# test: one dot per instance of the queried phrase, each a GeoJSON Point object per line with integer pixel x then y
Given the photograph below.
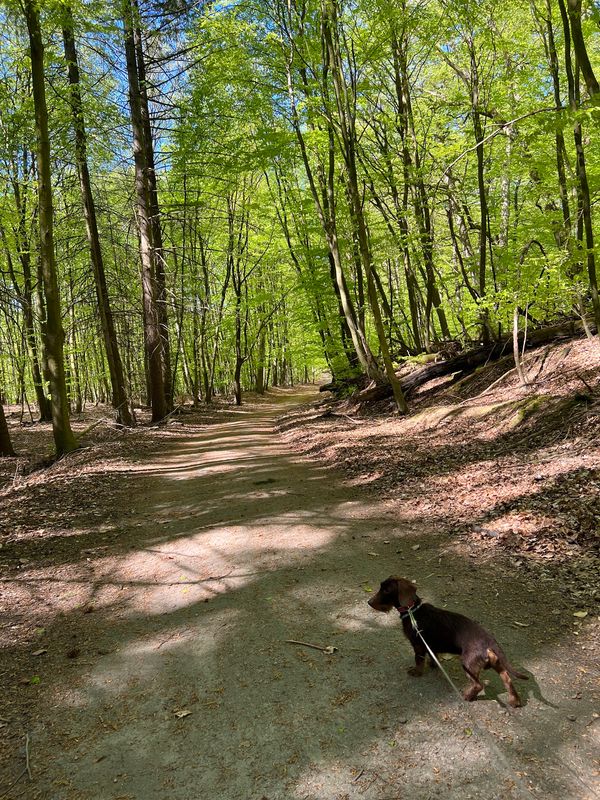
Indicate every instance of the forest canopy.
{"type": "Point", "coordinates": [200, 199]}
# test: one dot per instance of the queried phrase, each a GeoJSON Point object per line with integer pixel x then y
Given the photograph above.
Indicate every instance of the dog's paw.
{"type": "Point", "coordinates": [415, 672]}
{"type": "Point", "coordinates": [515, 702]}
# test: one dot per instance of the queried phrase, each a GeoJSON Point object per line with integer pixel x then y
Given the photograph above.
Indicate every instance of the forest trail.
{"type": "Point", "coordinates": [184, 686]}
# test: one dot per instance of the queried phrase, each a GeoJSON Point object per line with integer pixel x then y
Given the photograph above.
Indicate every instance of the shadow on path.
{"type": "Point", "coordinates": [186, 687]}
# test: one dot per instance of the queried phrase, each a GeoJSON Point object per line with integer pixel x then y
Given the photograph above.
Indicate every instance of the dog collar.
{"type": "Point", "coordinates": [404, 610]}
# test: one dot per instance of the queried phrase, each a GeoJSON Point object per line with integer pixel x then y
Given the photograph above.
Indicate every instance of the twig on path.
{"type": "Point", "coordinates": [164, 420]}
{"type": "Point", "coordinates": [168, 639]}
{"type": "Point", "coordinates": [329, 414]}
{"type": "Point", "coordinates": [490, 387]}
{"type": "Point", "coordinates": [586, 384]}
{"type": "Point", "coordinates": [27, 767]}
{"type": "Point", "coordinates": [91, 427]}
{"type": "Point", "coordinates": [329, 649]}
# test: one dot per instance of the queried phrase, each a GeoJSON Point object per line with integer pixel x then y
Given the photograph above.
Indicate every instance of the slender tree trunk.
{"type": "Point", "coordinates": [158, 249]}
{"type": "Point", "coordinates": [25, 297]}
{"type": "Point", "coordinates": [260, 366]}
{"type": "Point", "coordinates": [109, 336]}
{"type": "Point", "coordinates": [54, 336]}
{"type": "Point", "coordinates": [75, 386]}
{"type": "Point", "coordinates": [516, 348]}
{"type": "Point", "coordinates": [420, 198]}
{"type": "Point", "coordinates": [311, 288]}
{"type": "Point", "coordinates": [583, 60]}
{"type": "Point", "coordinates": [325, 207]}
{"type": "Point", "coordinates": [482, 192]}
{"type": "Point", "coordinates": [560, 147]}
{"type": "Point", "coordinates": [6, 448]}
{"type": "Point", "coordinates": [583, 191]}
{"type": "Point", "coordinates": [348, 138]}
{"type": "Point", "coordinates": [152, 335]}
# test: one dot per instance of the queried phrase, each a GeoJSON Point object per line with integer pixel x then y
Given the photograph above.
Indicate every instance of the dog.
{"type": "Point", "coordinates": [446, 632]}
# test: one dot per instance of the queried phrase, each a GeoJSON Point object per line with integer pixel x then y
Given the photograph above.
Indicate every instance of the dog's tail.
{"type": "Point", "coordinates": [497, 658]}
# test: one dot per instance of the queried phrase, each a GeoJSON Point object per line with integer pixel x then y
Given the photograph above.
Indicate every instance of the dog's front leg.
{"type": "Point", "coordinates": [419, 666]}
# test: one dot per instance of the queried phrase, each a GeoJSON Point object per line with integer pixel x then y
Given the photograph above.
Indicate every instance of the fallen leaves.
{"type": "Point", "coordinates": [531, 490]}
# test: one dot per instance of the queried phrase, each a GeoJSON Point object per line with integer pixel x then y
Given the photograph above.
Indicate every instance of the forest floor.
{"type": "Point", "coordinates": [149, 582]}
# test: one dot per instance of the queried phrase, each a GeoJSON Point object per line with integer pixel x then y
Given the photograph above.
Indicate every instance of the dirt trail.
{"type": "Point", "coordinates": [184, 686]}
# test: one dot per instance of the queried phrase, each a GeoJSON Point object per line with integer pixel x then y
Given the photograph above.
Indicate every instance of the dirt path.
{"type": "Point", "coordinates": [181, 684]}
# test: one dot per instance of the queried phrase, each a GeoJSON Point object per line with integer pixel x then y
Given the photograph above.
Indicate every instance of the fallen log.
{"type": "Point", "coordinates": [468, 361]}
{"type": "Point", "coordinates": [343, 384]}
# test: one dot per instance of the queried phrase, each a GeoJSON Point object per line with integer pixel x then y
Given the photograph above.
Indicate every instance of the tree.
{"type": "Point", "coordinates": [152, 333]}
{"type": "Point", "coordinates": [6, 448]}
{"type": "Point", "coordinates": [113, 356]}
{"type": "Point", "coordinates": [53, 332]}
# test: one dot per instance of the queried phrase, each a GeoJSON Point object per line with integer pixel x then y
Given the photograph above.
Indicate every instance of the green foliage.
{"type": "Point", "coordinates": [233, 90]}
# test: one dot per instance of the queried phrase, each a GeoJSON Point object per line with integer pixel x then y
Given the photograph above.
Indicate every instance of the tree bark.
{"type": "Point", "coordinates": [113, 356]}
{"type": "Point", "coordinates": [6, 448]}
{"type": "Point", "coordinates": [54, 335]}
{"type": "Point", "coordinates": [158, 250]}
{"type": "Point", "coordinates": [24, 294]}
{"type": "Point", "coordinates": [152, 335]}
{"type": "Point", "coordinates": [583, 60]}
{"type": "Point", "coordinates": [583, 190]}
{"type": "Point", "coordinates": [560, 147]}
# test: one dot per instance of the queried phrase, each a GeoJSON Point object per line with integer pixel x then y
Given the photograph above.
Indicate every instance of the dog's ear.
{"type": "Point", "coordinates": [406, 591]}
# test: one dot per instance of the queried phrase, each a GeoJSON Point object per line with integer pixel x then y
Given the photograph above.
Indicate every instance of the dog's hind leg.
{"type": "Point", "coordinates": [496, 663]}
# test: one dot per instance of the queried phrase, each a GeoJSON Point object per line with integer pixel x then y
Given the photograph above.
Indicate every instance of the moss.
{"type": "Point", "coordinates": [421, 358]}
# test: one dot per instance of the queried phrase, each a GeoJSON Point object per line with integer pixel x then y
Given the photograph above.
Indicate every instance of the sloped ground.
{"type": "Point", "coordinates": [495, 466]}
{"type": "Point", "coordinates": [148, 587]}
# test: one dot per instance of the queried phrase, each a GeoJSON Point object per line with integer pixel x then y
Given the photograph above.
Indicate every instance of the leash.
{"type": "Point", "coordinates": [484, 733]}
{"type": "Point", "coordinates": [413, 621]}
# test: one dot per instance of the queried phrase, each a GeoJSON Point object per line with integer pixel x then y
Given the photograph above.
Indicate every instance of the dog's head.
{"type": "Point", "coordinates": [394, 592]}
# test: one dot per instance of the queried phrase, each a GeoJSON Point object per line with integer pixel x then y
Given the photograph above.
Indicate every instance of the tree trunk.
{"type": "Point", "coordinates": [6, 448]}
{"type": "Point", "coordinates": [326, 211]}
{"type": "Point", "coordinates": [348, 140]}
{"type": "Point", "coordinates": [560, 149]}
{"type": "Point", "coordinates": [583, 190]}
{"type": "Point", "coordinates": [579, 46]}
{"type": "Point", "coordinates": [465, 363]}
{"type": "Point", "coordinates": [25, 296]}
{"type": "Point", "coordinates": [158, 249]}
{"type": "Point", "coordinates": [152, 335]}
{"type": "Point", "coordinates": [420, 198]}
{"type": "Point", "coordinates": [260, 366]}
{"type": "Point", "coordinates": [482, 192]}
{"type": "Point", "coordinates": [109, 336]}
{"type": "Point", "coordinates": [54, 335]}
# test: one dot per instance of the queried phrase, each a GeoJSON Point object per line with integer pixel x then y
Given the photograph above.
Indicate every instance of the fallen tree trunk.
{"type": "Point", "coordinates": [343, 384]}
{"type": "Point", "coordinates": [467, 362]}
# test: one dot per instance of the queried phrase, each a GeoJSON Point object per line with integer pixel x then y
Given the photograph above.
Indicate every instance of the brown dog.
{"type": "Point", "coordinates": [446, 632]}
